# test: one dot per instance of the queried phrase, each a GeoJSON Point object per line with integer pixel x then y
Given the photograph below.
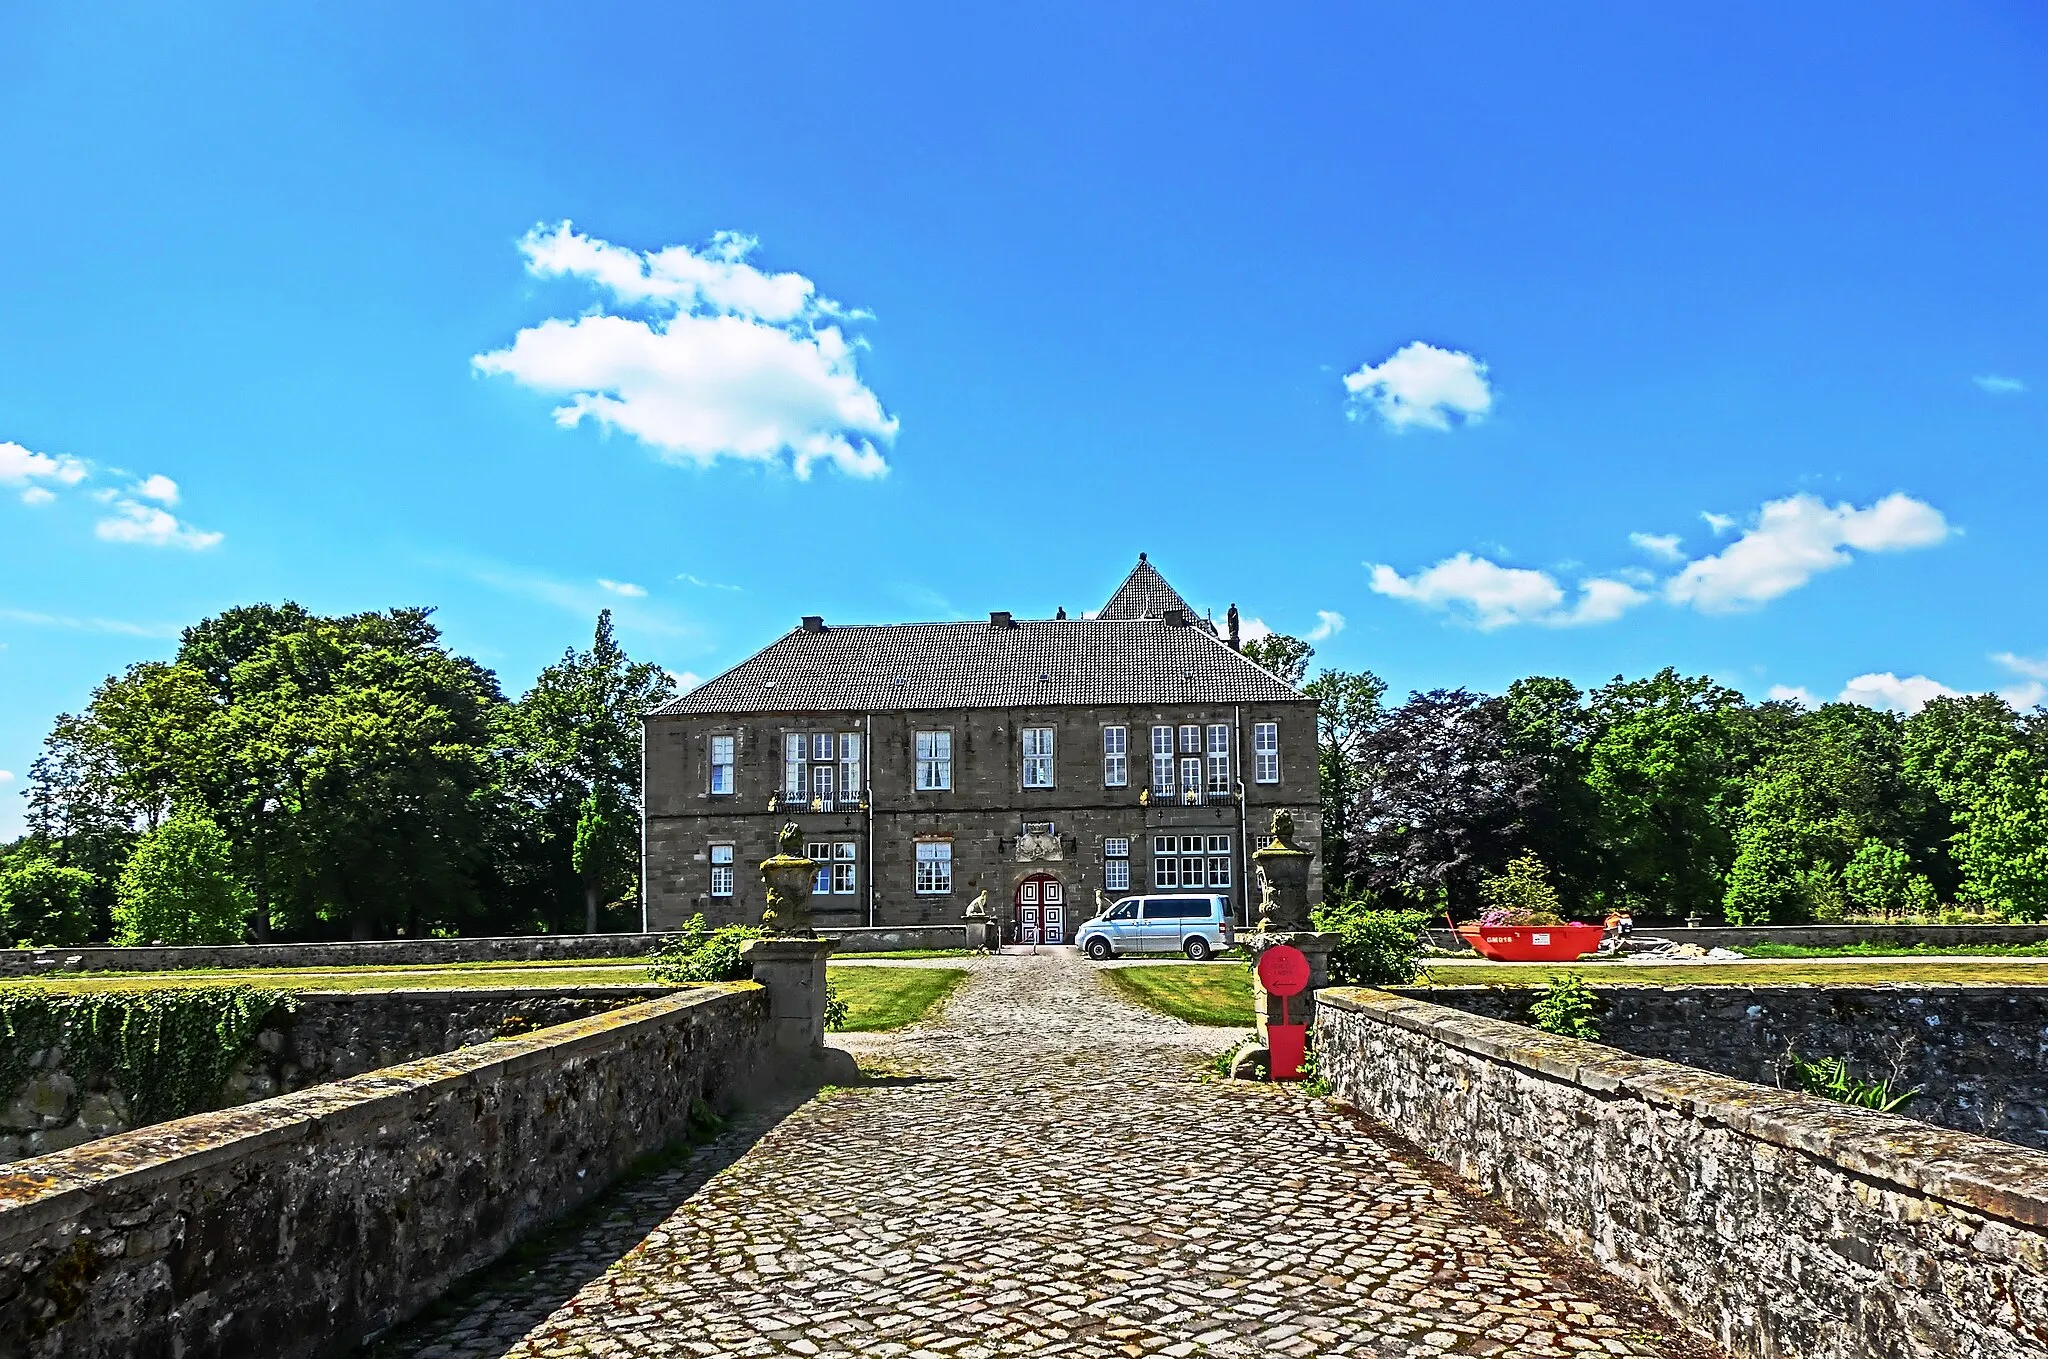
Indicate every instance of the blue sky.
{"type": "Point", "coordinates": [1404, 315]}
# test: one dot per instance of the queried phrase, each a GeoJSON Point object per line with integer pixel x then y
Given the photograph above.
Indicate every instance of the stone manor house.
{"type": "Point", "coordinates": [1037, 760]}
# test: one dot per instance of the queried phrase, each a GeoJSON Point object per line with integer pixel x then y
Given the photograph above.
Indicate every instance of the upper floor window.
{"type": "Point", "coordinates": [849, 766]}
{"type": "Point", "coordinates": [821, 746]}
{"type": "Point", "coordinates": [1162, 761]}
{"type": "Point", "coordinates": [1038, 757]}
{"type": "Point", "coordinates": [721, 765]}
{"type": "Point", "coordinates": [1266, 752]}
{"type": "Point", "coordinates": [1219, 759]}
{"type": "Point", "coordinates": [1116, 764]}
{"type": "Point", "coordinates": [721, 870]}
{"type": "Point", "coordinates": [1191, 778]}
{"type": "Point", "coordinates": [934, 866]}
{"type": "Point", "coordinates": [934, 760]}
{"type": "Point", "coordinates": [793, 780]}
{"type": "Point", "coordinates": [1190, 740]}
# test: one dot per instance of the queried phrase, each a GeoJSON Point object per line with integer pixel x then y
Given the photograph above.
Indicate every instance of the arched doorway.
{"type": "Point", "coordinates": [1040, 910]}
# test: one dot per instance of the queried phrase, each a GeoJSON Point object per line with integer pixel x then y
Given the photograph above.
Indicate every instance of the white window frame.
{"type": "Point", "coordinates": [1037, 746]}
{"type": "Point", "coordinates": [1117, 847]}
{"type": "Point", "coordinates": [845, 867]}
{"type": "Point", "coordinates": [1191, 778]}
{"type": "Point", "coordinates": [821, 747]}
{"type": "Point", "coordinates": [723, 746]}
{"type": "Point", "coordinates": [1219, 861]}
{"type": "Point", "coordinates": [1165, 863]}
{"type": "Point", "coordinates": [821, 785]}
{"type": "Point", "coordinates": [934, 868]}
{"type": "Point", "coordinates": [1162, 761]}
{"type": "Point", "coordinates": [819, 852]}
{"type": "Point", "coordinates": [1191, 739]}
{"type": "Point", "coordinates": [721, 871]}
{"type": "Point", "coordinates": [1219, 759]}
{"type": "Point", "coordinates": [794, 747]}
{"type": "Point", "coordinates": [1116, 875]}
{"type": "Point", "coordinates": [1265, 752]}
{"type": "Point", "coordinates": [1116, 760]}
{"type": "Point", "coordinates": [934, 750]}
{"type": "Point", "coordinates": [849, 766]}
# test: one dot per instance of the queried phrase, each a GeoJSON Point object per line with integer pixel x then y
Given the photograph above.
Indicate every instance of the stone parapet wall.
{"type": "Point", "coordinates": [1826, 936]}
{"type": "Point", "coordinates": [1978, 1054]}
{"type": "Point", "coordinates": [1777, 1223]}
{"type": "Point", "coordinates": [299, 1225]}
{"type": "Point", "coordinates": [331, 1035]}
{"type": "Point", "coordinates": [23, 962]}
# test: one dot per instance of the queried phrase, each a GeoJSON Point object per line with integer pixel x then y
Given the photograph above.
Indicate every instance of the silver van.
{"type": "Point", "coordinates": [1195, 925]}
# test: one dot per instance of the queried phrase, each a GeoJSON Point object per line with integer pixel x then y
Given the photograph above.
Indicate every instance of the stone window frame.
{"type": "Point", "coordinates": [934, 868]}
{"type": "Point", "coordinates": [1037, 770]}
{"type": "Point", "coordinates": [722, 871]}
{"type": "Point", "coordinates": [924, 748]}
{"type": "Point", "coordinates": [729, 766]}
{"type": "Point", "coordinates": [1265, 752]}
{"type": "Point", "coordinates": [1116, 756]}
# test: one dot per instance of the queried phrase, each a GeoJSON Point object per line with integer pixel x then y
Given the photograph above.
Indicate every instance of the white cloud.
{"type": "Point", "coordinates": [21, 467]}
{"type": "Point", "coordinates": [38, 495]}
{"type": "Point", "coordinates": [135, 522]}
{"type": "Point", "coordinates": [1328, 624]}
{"type": "Point", "coordinates": [722, 360]}
{"type": "Point", "coordinates": [1248, 629]}
{"type": "Point", "coordinates": [1421, 385]}
{"type": "Point", "coordinates": [107, 625]}
{"type": "Point", "coordinates": [686, 681]}
{"type": "Point", "coordinates": [1719, 523]}
{"type": "Point", "coordinates": [1887, 692]}
{"type": "Point", "coordinates": [1795, 539]}
{"type": "Point", "coordinates": [623, 587]}
{"type": "Point", "coordinates": [1495, 596]}
{"type": "Point", "coordinates": [159, 488]}
{"type": "Point", "coordinates": [2023, 665]}
{"type": "Point", "coordinates": [6, 776]}
{"type": "Point", "coordinates": [1787, 693]}
{"type": "Point", "coordinates": [1664, 545]}
{"type": "Point", "coordinates": [702, 584]}
{"type": "Point", "coordinates": [1999, 386]}
{"type": "Point", "coordinates": [2033, 687]}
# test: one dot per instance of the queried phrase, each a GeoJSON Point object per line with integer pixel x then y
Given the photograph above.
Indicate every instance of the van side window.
{"type": "Point", "coordinates": [1127, 911]}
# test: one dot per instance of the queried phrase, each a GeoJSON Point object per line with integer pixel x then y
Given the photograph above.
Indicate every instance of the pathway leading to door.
{"type": "Point", "coordinates": [1051, 1176]}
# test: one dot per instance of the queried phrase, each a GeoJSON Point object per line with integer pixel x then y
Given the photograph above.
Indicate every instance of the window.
{"type": "Point", "coordinates": [1038, 757]}
{"type": "Point", "coordinates": [1190, 740]}
{"type": "Point", "coordinates": [1116, 865]}
{"type": "Point", "coordinates": [1116, 764]}
{"type": "Point", "coordinates": [821, 746]}
{"type": "Point", "coordinates": [1165, 867]}
{"type": "Point", "coordinates": [820, 853]}
{"type": "Point", "coordinates": [1191, 861]}
{"type": "Point", "coordinates": [721, 870]}
{"type": "Point", "coordinates": [934, 867]}
{"type": "Point", "coordinates": [1266, 752]}
{"type": "Point", "coordinates": [934, 760]}
{"type": "Point", "coordinates": [1219, 761]}
{"type": "Point", "coordinates": [1162, 761]}
{"type": "Point", "coordinates": [793, 767]}
{"type": "Point", "coordinates": [844, 860]}
{"type": "Point", "coordinates": [1191, 778]}
{"type": "Point", "coordinates": [1219, 861]}
{"type": "Point", "coordinates": [821, 783]}
{"type": "Point", "coordinates": [721, 765]}
{"type": "Point", "coordinates": [849, 767]}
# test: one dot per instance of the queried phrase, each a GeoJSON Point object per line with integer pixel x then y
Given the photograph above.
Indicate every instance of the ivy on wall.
{"type": "Point", "coordinates": [168, 1050]}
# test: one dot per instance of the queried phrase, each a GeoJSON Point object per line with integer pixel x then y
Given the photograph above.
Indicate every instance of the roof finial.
{"type": "Point", "coordinates": [1141, 559]}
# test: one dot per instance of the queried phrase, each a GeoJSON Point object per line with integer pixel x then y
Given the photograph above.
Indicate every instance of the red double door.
{"type": "Point", "coordinates": [1041, 910]}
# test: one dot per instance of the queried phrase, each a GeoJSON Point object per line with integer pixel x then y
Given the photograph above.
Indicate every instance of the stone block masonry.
{"type": "Point", "coordinates": [1777, 1223]}
{"type": "Point", "coordinates": [1978, 1054]}
{"type": "Point", "coordinates": [299, 1225]}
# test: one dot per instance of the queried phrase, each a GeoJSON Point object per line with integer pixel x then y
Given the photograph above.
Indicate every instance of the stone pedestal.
{"type": "Point", "coordinates": [793, 972]}
{"type": "Point", "coordinates": [1316, 947]}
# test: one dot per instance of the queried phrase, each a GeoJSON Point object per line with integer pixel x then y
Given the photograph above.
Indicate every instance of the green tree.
{"type": "Point", "coordinates": [2003, 847]}
{"type": "Point", "coordinates": [1349, 707]}
{"type": "Point", "coordinates": [43, 902]}
{"type": "Point", "coordinates": [1879, 880]}
{"type": "Point", "coordinates": [180, 887]}
{"type": "Point", "coordinates": [1285, 656]}
{"type": "Point", "coordinates": [1521, 893]}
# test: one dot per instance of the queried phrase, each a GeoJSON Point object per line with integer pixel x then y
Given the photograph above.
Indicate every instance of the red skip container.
{"type": "Point", "coordinates": [1532, 943]}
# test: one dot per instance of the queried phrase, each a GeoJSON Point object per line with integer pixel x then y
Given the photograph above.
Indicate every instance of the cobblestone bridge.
{"type": "Point", "coordinates": [1041, 1169]}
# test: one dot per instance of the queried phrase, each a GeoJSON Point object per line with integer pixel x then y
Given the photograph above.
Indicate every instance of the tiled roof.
{"type": "Point", "coordinates": [1144, 594]}
{"type": "Point", "coordinates": [921, 666]}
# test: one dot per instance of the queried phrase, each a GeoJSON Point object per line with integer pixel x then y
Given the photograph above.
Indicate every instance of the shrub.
{"type": "Point", "coordinates": [837, 1011]}
{"type": "Point", "coordinates": [1521, 896]}
{"type": "Point", "coordinates": [1829, 1078]}
{"type": "Point", "coordinates": [697, 953]}
{"type": "Point", "coordinates": [1879, 879]}
{"type": "Point", "coordinates": [1567, 1008]}
{"type": "Point", "coordinates": [1374, 947]}
{"type": "Point", "coordinates": [179, 887]}
{"type": "Point", "coordinates": [43, 902]}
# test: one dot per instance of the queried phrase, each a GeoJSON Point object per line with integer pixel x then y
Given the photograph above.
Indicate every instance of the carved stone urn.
{"type": "Point", "coordinates": [1283, 879]}
{"type": "Point", "coordinates": [790, 878]}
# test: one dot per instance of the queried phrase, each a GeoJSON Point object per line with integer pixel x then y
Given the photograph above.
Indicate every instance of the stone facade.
{"type": "Point", "coordinates": [299, 1225]}
{"type": "Point", "coordinates": [1979, 1054]}
{"type": "Point", "coordinates": [1777, 1223]}
{"type": "Point", "coordinates": [331, 1035]}
{"type": "Point", "coordinates": [984, 814]}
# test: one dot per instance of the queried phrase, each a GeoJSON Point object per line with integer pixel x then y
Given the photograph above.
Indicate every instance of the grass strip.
{"type": "Point", "coordinates": [879, 999]}
{"type": "Point", "coordinates": [1215, 994]}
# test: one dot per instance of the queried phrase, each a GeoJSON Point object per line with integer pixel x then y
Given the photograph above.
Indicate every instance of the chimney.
{"type": "Point", "coordinates": [814, 622]}
{"type": "Point", "coordinates": [1000, 618]}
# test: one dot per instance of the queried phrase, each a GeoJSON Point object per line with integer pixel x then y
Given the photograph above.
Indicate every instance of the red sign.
{"type": "Point", "coordinates": [1283, 970]}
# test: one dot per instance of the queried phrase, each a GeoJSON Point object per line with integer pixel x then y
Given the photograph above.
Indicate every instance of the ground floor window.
{"type": "Point", "coordinates": [934, 867]}
{"type": "Point", "coordinates": [1116, 865]}
{"type": "Point", "coordinates": [836, 860]}
{"type": "Point", "coordinates": [1187, 861]}
{"type": "Point", "coordinates": [721, 870]}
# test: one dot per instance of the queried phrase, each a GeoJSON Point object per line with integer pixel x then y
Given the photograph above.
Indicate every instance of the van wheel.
{"type": "Point", "coordinates": [1198, 949]}
{"type": "Point", "coordinates": [1098, 949]}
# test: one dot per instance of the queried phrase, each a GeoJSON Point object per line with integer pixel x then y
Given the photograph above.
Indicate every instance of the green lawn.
{"type": "Point", "coordinates": [1218, 994]}
{"type": "Point", "coordinates": [1867, 949]}
{"type": "Point", "coordinates": [883, 998]}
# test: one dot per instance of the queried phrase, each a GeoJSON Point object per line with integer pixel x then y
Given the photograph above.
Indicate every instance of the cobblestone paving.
{"type": "Point", "coordinates": [1050, 1176]}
